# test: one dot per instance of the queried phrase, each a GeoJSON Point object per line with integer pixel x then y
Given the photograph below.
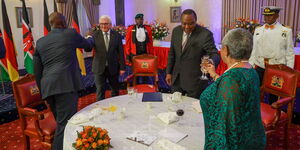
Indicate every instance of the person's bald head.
{"type": "Point", "coordinates": [57, 20]}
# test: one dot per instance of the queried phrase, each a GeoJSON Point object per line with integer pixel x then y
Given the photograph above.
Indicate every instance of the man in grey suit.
{"type": "Point", "coordinates": [189, 43]}
{"type": "Point", "coordinates": [57, 72]}
{"type": "Point", "coordinates": [108, 62]}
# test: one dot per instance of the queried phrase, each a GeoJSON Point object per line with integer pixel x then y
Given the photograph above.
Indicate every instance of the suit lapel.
{"type": "Point", "coordinates": [111, 37]}
{"type": "Point", "coordinates": [190, 40]}
{"type": "Point", "coordinates": [100, 37]}
{"type": "Point", "coordinates": [180, 41]}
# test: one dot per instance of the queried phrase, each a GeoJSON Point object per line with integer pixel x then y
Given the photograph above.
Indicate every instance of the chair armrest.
{"type": "Point", "coordinates": [32, 112]}
{"type": "Point", "coordinates": [282, 102]}
{"type": "Point", "coordinates": [128, 78]}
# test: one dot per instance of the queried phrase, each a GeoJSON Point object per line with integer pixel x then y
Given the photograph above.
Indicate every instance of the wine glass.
{"type": "Point", "coordinates": [130, 92]}
{"type": "Point", "coordinates": [205, 61]}
{"type": "Point", "coordinates": [112, 108]}
{"type": "Point", "coordinates": [180, 112]}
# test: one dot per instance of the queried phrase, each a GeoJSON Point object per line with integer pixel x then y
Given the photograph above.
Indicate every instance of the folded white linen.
{"type": "Point", "coordinates": [168, 117]}
{"type": "Point", "coordinates": [79, 118]}
{"type": "Point", "coordinates": [165, 144]}
{"type": "Point", "coordinates": [196, 106]}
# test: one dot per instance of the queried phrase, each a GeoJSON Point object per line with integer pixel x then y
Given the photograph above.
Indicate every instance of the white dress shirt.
{"type": "Point", "coordinates": [140, 34]}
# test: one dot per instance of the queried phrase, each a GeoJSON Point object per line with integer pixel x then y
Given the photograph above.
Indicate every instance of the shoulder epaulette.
{"type": "Point", "coordinates": [287, 26]}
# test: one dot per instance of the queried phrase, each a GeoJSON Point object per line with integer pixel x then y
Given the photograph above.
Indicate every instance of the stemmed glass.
{"type": "Point", "coordinates": [132, 92]}
{"type": "Point", "coordinates": [205, 61]}
{"type": "Point", "coordinates": [180, 112]}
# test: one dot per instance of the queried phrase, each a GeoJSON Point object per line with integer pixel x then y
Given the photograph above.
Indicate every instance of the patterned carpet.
{"type": "Point", "coordinates": [11, 137]}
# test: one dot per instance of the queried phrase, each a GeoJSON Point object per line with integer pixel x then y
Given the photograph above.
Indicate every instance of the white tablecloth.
{"type": "Point", "coordinates": [137, 118]}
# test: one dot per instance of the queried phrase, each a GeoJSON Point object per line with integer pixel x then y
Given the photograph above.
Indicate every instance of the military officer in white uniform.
{"type": "Point", "coordinates": [272, 41]}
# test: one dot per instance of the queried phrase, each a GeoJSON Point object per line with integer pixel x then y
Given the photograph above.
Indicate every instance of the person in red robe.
{"type": "Point", "coordinates": [138, 39]}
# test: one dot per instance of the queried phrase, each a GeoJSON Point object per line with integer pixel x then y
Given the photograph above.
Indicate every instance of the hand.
{"type": "Point", "coordinates": [210, 69]}
{"type": "Point", "coordinates": [169, 79]}
{"type": "Point", "coordinates": [89, 33]}
{"type": "Point", "coordinates": [122, 72]}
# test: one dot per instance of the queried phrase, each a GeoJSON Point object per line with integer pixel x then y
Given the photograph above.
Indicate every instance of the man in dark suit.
{"type": "Point", "coordinates": [189, 43]}
{"type": "Point", "coordinates": [57, 72]}
{"type": "Point", "coordinates": [108, 62]}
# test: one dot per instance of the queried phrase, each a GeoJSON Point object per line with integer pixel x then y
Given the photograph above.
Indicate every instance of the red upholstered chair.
{"type": "Point", "coordinates": [144, 65]}
{"type": "Point", "coordinates": [34, 123]}
{"type": "Point", "coordinates": [282, 81]}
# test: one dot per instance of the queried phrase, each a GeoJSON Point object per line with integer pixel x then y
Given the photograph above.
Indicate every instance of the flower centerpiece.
{"type": "Point", "coordinates": [159, 30]}
{"type": "Point", "coordinates": [121, 30]}
{"type": "Point", "coordinates": [247, 24]}
{"type": "Point", "coordinates": [92, 138]}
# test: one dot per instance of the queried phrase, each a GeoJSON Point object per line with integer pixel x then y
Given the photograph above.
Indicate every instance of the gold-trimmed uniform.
{"type": "Point", "coordinates": [275, 43]}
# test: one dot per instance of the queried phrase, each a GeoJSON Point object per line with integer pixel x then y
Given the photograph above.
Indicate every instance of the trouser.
{"type": "Point", "coordinates": [260, 71]}
{"type": "Point", "coordinates": [100, 80]}
{"type": "Point", "coordinates": [195, 93]}
{"type": "Point", "coordinates": [63, 107]}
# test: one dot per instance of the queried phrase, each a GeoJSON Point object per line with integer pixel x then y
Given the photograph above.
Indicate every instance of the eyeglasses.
{"type": "Point", "coordinates": [104, 24]}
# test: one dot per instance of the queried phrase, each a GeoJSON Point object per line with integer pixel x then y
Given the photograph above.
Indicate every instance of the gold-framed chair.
{"type": "Point", "coordinates": [34, 123]}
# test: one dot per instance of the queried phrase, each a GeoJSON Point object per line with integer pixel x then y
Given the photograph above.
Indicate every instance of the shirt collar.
{"type": "Point", "coordinates": [108, 32]}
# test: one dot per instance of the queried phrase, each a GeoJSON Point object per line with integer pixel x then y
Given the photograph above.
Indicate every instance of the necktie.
{"type": "Point", "coordinates": [106, 40]}
{"type": "Point", "coordinates": [184, 41]}
{"type": "Point", "coordinates": [269, 26]}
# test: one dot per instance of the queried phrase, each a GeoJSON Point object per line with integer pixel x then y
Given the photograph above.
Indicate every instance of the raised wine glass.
{"type": "Point", "coordinates": [205, 61]}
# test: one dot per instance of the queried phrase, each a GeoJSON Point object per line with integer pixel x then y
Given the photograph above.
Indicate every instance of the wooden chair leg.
{"type": "Point", "coordinates": [286, 136]}
{"type": "Point", "coordinates": [26, 142]}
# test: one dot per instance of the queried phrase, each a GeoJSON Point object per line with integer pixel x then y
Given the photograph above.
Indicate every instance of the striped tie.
{"type": "Point", "coordinates": [106, 40]}
{"type": "Point", "coordinates": [185, 41]}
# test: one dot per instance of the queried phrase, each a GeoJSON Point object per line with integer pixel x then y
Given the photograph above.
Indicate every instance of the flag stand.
{"type": "Point", "coordinates": [3, 95]}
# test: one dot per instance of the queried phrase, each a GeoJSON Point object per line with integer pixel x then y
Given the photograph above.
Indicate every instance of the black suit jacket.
{"type": "Point", "coordinates": [114, 56]}
{"type": "Point", "coordinates": [186, 63]}
{"type": "Point", "coordinates": [55, 62]}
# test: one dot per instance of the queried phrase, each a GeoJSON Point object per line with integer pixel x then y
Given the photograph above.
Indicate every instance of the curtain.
{"type": "Point", "coordinates": [92, 11]}
{"type": "Point", "coordinates": [252, 9]}
{"type": "Point", "coordinates": [66, 9]}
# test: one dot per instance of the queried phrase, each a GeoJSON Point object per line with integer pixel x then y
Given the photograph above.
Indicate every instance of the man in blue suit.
{"type": "Point", "coordinates": [57, 72]}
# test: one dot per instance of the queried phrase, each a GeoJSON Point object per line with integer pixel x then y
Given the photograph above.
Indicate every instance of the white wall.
{"type": "Point", "coordinates": [107, 7]}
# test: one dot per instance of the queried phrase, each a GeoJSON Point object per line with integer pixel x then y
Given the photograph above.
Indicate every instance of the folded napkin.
{"type": "Point", "coordinates": [196, 106]}
{"type": "Point", "coordinates": [165, 144]}
{"type": "Point", "coordinates": [79, 118]}
{"type": "Point", "coordinates": [168, 117]}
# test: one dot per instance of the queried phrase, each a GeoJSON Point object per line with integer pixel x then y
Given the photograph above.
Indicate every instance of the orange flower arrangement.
{"type": "Point", "coordinates": [92, 138]}
{"type": "Point", "coordinates": [247, 24]}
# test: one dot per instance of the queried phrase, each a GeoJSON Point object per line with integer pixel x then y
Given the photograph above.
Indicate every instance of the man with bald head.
{"type": "Point", "coordinates": [57, 72]}
{"type": "Point", "coordinates": [108, 62]}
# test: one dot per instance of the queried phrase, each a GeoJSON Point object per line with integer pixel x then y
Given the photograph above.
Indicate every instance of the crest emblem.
{"type": "Point", "coordinates": [34, 90]}
{"type": "Point", "coordinates": [277, 82]}
{"type": "Point", "coordinates": [145, 65]}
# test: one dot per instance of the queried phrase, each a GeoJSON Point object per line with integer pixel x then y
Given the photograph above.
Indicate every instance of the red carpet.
{"type": "Point", "coordinates": [11, 135]}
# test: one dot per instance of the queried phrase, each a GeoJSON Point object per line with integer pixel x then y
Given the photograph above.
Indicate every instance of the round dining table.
{"type": "Point", "coordinates": [134, 115]}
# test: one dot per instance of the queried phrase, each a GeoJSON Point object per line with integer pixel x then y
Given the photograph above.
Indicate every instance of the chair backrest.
{"type": "Point", "coordinates": [26, 91]}
{"type": "Point", "coordinates": [280, 80]}
{"type": "Point", "coordinates": [144, 65]}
